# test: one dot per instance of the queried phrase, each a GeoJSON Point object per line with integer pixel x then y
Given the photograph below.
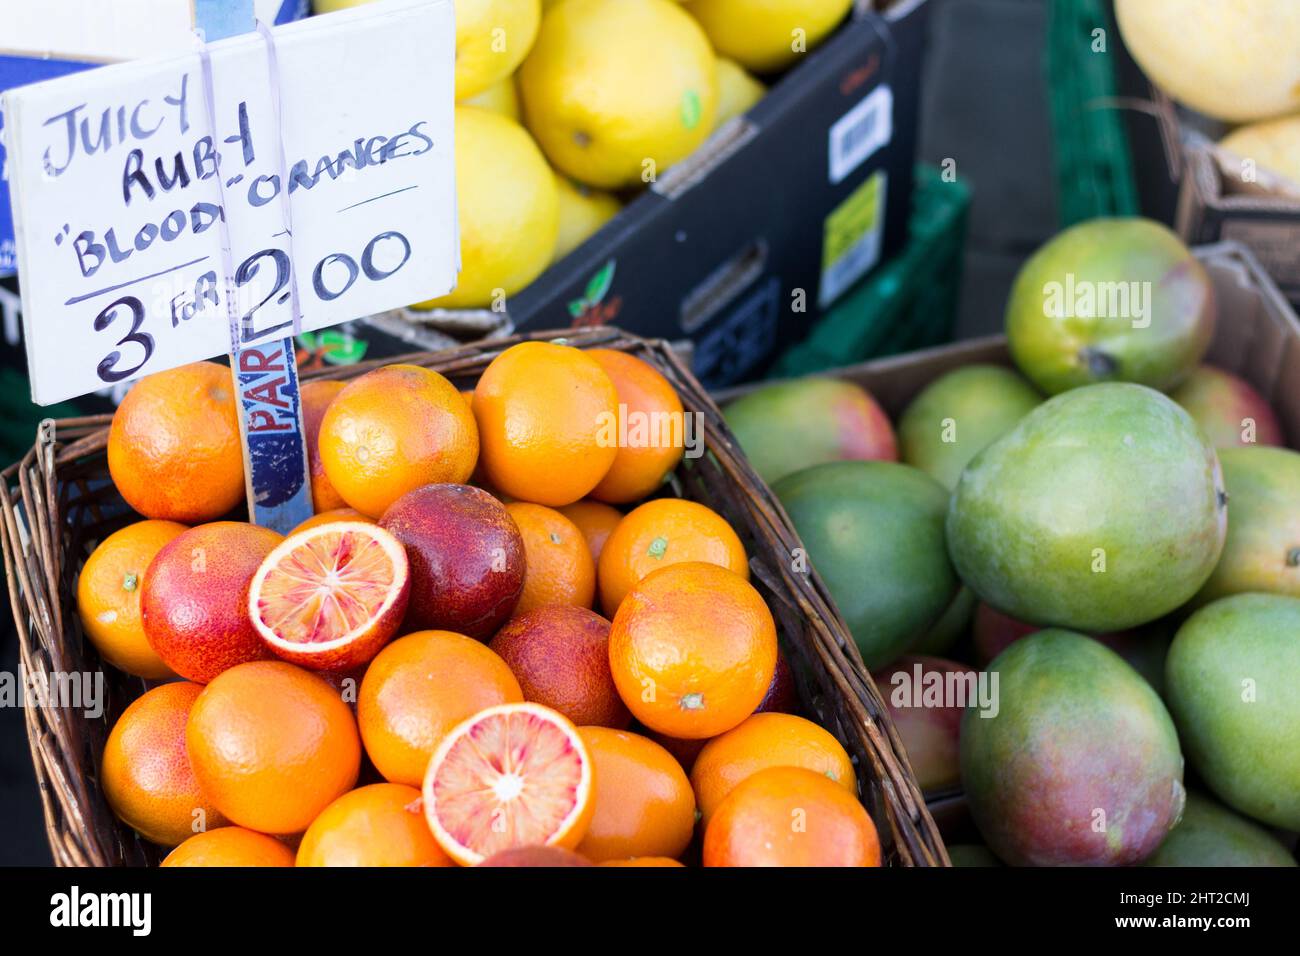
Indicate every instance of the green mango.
{"type": "Point", "coordinates": [1232, 679]}
{"type": "Point", "coordinates": [1102, 510]}
{"type": "Point", "coordinates": [874, 532]}
{"type": "Point", "coordinates": [1110, 300]}
{"type": "Point", "coordinates": [959, 415]}
{"type": "Point", "coordinates": [1209, 834]}
{"type": "Point", "coordinates": [1262, 552]}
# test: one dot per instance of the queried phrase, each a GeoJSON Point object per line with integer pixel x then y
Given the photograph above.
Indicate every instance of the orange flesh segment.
{"type": "Point", "coordinates": [511, 780]}
{"type": "Point", "coordinates": [327, 587]}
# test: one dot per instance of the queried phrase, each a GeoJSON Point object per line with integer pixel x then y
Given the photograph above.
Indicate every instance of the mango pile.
{"type": "Point", "coordinates": [1077, 576]}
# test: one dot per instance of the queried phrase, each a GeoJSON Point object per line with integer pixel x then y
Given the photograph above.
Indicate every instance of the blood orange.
{"type": "Point", "coordinates": [512, 775]}
{"type": "Point", "coordinates": [330, 597]}
{"type": "Point", "coordinates": [543, 856]}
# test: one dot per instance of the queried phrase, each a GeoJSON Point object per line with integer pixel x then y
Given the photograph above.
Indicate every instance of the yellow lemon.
{"type": "Point", "coordinates": [509, 211]}
{"type": "Point", "coordinates": [1273, 145]}
{"type": "Point", "coordinates": [583, 210]}
{"type": "Point", "coordinates": [492, 39]}
{"type": "Point", "coordinates": [766, 35]}
{"type": "Point", "coordinates": [616, 91]}
{"type": "Point", "coordinates": [500, 97]}
{"type": "Point", "coordinates": [1235, 60]}
{"type": "Point", "coordinates": [737, 90]}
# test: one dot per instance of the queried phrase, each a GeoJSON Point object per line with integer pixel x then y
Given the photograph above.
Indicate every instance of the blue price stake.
{"type": "Point", "coordinates": [265, 376]}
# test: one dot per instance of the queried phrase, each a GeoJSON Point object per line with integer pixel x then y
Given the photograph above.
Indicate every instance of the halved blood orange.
{"type": "Point", "coordinates": [331, 596]}
{"type": "Point", "coordinates": [510, 776]}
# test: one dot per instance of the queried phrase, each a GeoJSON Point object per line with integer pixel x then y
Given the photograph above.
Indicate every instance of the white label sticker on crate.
{"type": "Point", "coordinates": [860, 132]}
{"type": "Point", "coordinates": [853, 233]}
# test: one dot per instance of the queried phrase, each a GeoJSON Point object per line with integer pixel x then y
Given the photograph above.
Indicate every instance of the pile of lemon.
{"type": "Point", "coordinates": [563, 106]}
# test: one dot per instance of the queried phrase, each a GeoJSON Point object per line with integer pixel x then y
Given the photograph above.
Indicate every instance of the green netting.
{"type": "Point", "coordinates": [1094, 168]}
{"type": "Point", "coordinates": [909, 302]}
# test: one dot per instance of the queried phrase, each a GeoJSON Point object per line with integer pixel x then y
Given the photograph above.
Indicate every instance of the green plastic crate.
{"type": "Point", "coordinates": [1094, 167]}
{"type": "Point", "coordinates": [909, 302]}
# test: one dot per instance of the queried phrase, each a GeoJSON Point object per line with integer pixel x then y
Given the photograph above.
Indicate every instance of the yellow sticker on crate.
{"type": "Point", "coordinates": [853, 231]}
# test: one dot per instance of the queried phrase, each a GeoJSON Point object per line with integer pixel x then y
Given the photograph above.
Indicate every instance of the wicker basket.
{"type": "Point", "coordinates": [58, 502]}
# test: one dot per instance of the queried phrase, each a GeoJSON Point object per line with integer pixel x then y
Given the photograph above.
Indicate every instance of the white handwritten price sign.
{"type": "Point", "coordinates": [175, 209]}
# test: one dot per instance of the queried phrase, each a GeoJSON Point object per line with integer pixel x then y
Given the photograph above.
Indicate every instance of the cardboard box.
{"type": "Point", "coordinates": [1257, 336]}
{"type": "Point", "coordinates": [41, 41]}
{"type": "Point", "coordinates": [1187, 182]}
{"type": "Point", "coordinates": [741, 247]}
{"type": "Point", "coordinates": [1216, 203]}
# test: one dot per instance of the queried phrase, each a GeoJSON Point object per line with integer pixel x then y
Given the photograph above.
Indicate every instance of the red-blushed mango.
{"type": "Point", "coordinates": [926, 697]}
{"type": "Point", "coordinates": [1228, 409]}
{"type": "Point", "coordinates": [1233, 685]}
{"type": "Point", "coordinates": [1144, 648]}
{"type": "Point", "coordinates": [792, 425]}
{"type": "Point", "coordinates": [1262, 552]}
{"type": "Point", "coordinates": [1110, 300]}
{"type": "Point", "coordinates": [1080, 766]}
{"type": "Point", "coordinates": [466, 555]}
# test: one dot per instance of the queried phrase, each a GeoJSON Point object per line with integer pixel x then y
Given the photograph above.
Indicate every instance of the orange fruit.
{"type": "Point", "coordinates": [330, 597]}
{"type": "Point", "coordinates": [661, 533]}
{"type": "Point", "coordinates": [544, 415]}
{"type": "Point", "coordinates": [395, 429]}
{"type": "Point", "coordinates": [762, 741]}
{"type": "Point", "coordinates": [557, 562]}
{"type": "Point", "coordinates": [194, 602]}
{"type": "Point", "coordinates": [230, 846]}
{"type": "Point", "coordinates": [272, 746]}
{"type": "Point", "coordinates": [643, 802]}
{"type": "Point", "coordinates": [108, 596]}
{"type": "Point", "coordinates": [173, 448]}
{"type": "Point", "coordinates": [510, 776]}
{"type": "Point", "coordinates": [692, 650]}
{"type": "Point", "coordinates": [316, 397]}
{"type": "Point", "coordinates": [536, 856]}
{"type": "Point", "coordinates": [644, 861]}
{"type": "Point", "coordinates": [146, 769]}
{"type": "Point", "coordinates": [417, 689]}
{"type": "Point", "coordinates": [790, 816]}
{"type": "Point", "coordinates": [378, 825]}
{"type": "Point", "coordinates": [560, 656]}
{"type": "Point", "coordinates": [651, 433]}
{"type": "Point", "coordinates": [595, 520]}
{"type": "Point", "coordinates": [328, 517]}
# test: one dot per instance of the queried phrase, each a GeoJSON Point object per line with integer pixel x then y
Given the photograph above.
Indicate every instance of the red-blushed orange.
{"type": "Point", "coordinates": [146, 772]}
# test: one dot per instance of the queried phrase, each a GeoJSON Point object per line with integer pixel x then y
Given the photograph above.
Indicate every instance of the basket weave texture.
{"type": "Point", "coordinates": [58, 503]}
